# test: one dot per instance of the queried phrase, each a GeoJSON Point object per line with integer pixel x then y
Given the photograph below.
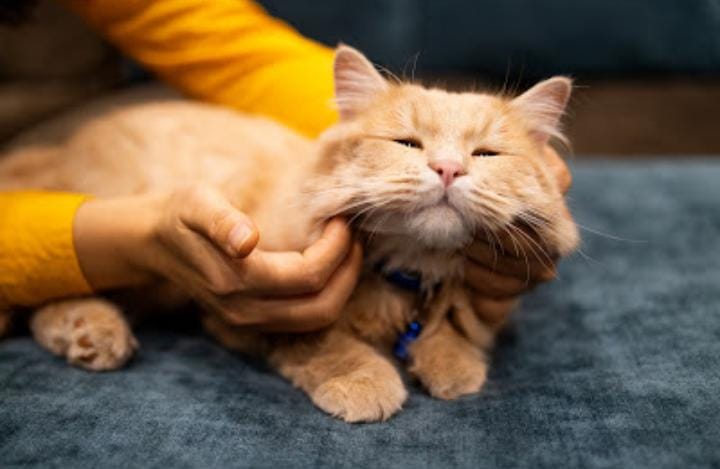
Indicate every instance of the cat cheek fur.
{"type": "Point", "coordinates": [564, 234]}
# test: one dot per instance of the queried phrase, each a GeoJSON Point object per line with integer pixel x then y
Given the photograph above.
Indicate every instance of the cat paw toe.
{"type": "Point", "coordinates": [468, 381]}
{"type": "Point", "coordinates": [449, 377]}
{"type": "Point", "coordinates": [361, 397]}
{"type": "Point", "coordinates": [101, 347]}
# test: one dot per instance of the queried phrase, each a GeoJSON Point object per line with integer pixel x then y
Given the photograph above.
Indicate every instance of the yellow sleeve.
{"type": "Point", "coordinates": [37, 255]}
{"type": "Point", "coordinates": [229, 52]}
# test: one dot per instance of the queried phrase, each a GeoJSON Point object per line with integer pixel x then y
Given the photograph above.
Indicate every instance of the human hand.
{"type": "Point", "coordinates": [500, 269]}
{"type": "Point", "coordinates": [195, 238]}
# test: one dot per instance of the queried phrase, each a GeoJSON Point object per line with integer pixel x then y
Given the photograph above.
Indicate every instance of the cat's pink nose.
{"type": "Point", "coordinates": [448, 170]}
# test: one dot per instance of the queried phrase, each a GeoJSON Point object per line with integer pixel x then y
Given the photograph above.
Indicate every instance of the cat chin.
{"type": "Point", "coordinates": [439, 227]}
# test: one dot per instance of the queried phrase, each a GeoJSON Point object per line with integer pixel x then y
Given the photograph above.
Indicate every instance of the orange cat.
{"type": "Point", "coordinates": [420, 172]}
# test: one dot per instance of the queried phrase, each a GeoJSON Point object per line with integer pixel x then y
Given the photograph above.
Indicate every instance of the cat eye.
{"type": "Point", "coordinates": [484, 152]}
{"type": "Point", "coordinates": [409, 142]}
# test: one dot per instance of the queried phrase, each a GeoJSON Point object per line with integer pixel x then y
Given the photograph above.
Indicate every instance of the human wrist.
{"type": "Point", "coordinates": [111, 238]}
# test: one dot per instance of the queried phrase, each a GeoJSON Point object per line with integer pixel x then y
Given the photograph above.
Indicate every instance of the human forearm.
{"type": "Point", "coordinates": [229, 52]}
{"type": "Point", "coordinates": [109, 235]}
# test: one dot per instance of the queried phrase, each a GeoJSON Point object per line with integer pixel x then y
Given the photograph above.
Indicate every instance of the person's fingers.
{"type": "Point", "coordinates": [288, 273]}
{"type": "Point", "coordinates": [539, 267]}
{"type": "Point", "coordinates": [520, 256]}
{"type": "Point", "coordinates": [494, 284]}
{"type": "Point", "coordinates": [333, 245]}
{"type": "Point", "coordinates": [209, 213]}
{"type": "Point", "coordinates": [299, 313]}
{"type": "Point", "coordinates": [327, 305]}
{"type": "Point", "coordinates": [522, 240]}
{"type": "Point", "coordinates": [492, 311]}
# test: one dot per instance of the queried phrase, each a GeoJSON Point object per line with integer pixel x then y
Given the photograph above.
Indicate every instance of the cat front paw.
{"type": "Point", "coordinates": [450, 371]}
{"type": "Point", "coordinates": [459, 379]}
{"type": "Point", "coordinates": [363, 395]}
{"type": "Point", "coordinates": [107, 345]}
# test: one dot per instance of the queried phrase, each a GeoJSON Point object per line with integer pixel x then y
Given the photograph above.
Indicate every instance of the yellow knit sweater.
{"type": "Point", "coordinates": [229, 52]}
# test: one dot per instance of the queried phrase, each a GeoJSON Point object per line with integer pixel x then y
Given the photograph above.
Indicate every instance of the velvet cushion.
{"type": "Point", "coordinates": [616, 364]}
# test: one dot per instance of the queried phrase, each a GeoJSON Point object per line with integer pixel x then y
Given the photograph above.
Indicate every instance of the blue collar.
{"type": "Point", "coordinates": [412, 282]}
{"type": "Point", "coordinates": [407, 280]}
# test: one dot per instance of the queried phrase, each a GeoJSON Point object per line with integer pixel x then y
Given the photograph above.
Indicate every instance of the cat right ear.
{"type": "Point", "coordinates": [357, 81]}
{"type": "Point", "coordinates": [543, 105]}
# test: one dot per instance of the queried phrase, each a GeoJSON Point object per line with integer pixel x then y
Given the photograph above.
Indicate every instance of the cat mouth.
{"type": "Point", "coordinates": [445, 209]}
{"type": "Point", "coordinates": [445, 202]}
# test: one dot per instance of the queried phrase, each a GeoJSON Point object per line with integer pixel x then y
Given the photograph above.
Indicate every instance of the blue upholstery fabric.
{"type": "Point", "coordinates": [616, 364]}
{"type": "Point", "coordinates": [529, 39]}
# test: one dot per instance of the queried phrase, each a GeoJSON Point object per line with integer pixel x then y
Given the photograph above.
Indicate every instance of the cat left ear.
{"type": "Point", "coordinates": [543, 105]}
{"type": "Point", "coordinates": [357, 81]}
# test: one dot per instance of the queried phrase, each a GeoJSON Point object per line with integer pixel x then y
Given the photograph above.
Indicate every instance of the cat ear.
{"type": "Point", "coordinates": [543, 105]}
{"type": "Point", "coordinates": [357, 81]}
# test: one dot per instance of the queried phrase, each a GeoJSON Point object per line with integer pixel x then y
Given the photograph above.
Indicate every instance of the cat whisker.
{"type": "Point", "coordinates": [597, 232]}
{"type": "Point", "coordinates": [489, 196]}
{"type": "Point", "coordinates": [489, 236]}
{"type": "Point", "coordinates": [404, 180]}
{"type": "Point", "coordinates": [609, 236]}
{"type": "Point", "coordinates": [374, 230]}
{"type": "Point", "coordinates": [369, 208]}
{"type": "Point", "coordinates": [589, 259]}
{"type": "Point", "coordinates": [488, 210]}
{"type": "Point", "coordinates": [537, 224]}
{"type": "Point", "coordinates": [518, 250]}
{"type": "Point", "coordinates": [536, 249]}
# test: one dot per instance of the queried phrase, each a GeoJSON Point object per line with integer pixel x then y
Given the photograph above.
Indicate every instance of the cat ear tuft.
{"type": "Point", "coordinates": [357, 81]}
{"type": "Point", "coordinates": [543, 105]}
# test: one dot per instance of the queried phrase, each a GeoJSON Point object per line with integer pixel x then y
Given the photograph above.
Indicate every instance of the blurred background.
{"type": "Point", "coordinates": [647, 71]}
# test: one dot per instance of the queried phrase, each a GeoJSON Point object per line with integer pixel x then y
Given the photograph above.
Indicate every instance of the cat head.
{"type": "Point", "coordinates": [439, 167]}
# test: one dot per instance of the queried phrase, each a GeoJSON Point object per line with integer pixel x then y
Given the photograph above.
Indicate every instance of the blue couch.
{"type": "Point", "coordinates": [616, 364]}
{"type": "Point", "coordinates": [523, 38]}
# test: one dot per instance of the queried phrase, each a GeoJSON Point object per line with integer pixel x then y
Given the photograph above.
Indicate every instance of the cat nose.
{"type": "Point", "coordinates": [448, 170]}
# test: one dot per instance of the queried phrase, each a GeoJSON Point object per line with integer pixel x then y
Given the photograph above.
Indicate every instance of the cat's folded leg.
{"type": "Point", "coordinates": [90, 332]}
{"type": "Point", "coordinates": [447, 364]}
{"type": "Point", "coordinates": [343, 375]}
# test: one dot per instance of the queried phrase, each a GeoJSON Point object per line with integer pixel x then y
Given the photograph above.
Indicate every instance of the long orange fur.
{"type": "Point", "coordinates": [397, 204]}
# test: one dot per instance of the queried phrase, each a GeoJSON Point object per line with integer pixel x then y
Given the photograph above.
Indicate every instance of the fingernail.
{"type": "Point", "coordinates": [238, 236]}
